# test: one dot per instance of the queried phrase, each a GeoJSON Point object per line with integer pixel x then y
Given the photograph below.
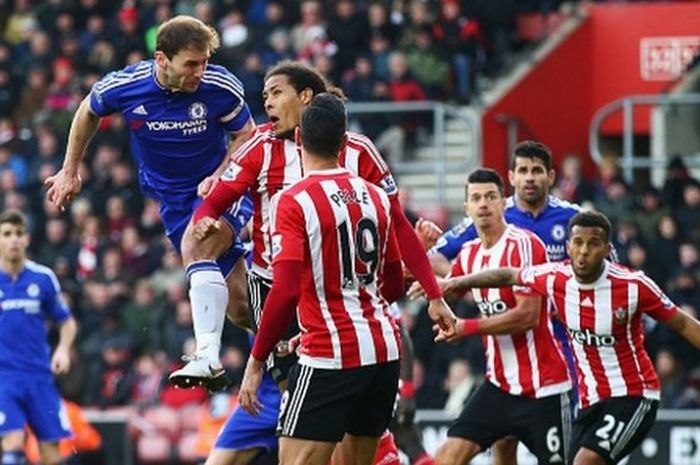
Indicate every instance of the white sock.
{"type": "Point", "coordinates": [209, 297]}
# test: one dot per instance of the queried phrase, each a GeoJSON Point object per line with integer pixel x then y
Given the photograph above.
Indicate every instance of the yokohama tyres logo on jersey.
{"type": "Point", "coordinates": [190, 127]}
{"type": "Point", "coordinates": [589, 338]}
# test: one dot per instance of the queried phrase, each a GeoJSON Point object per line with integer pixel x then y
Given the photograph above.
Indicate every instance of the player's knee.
{"type": "Point", "coordinates": [13, 441]}
{"type": "Point", "coordinates": [456, 452]}
{"type": "Point", "coordinates": [194, 250]}
{"type": "Point", "coordinates": [585, 456]}
{"type": "Point", "coordinates": [505, 451]}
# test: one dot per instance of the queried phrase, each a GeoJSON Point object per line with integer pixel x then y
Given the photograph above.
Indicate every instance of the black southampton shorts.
{"type": "Point", "coordinates": [323, 405]}
{"type": "Point", "coordinates": [258, 289]}
{"type": "Point", "coordinates": [613, 427]}
{"type": "Point", "coordinates": [543, 425]}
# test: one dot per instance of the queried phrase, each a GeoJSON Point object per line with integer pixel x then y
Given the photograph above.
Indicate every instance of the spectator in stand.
{"type": "Point", "coordinates": [617, 201]}
{"type": "Point", "coordinates": [349, 29]}
{"type": "Point", "coordinates": [118, 218]}
{"type": "Point", "coordinates": [90, 241]}
{"type": "Point", "coordinates": [671, 378]}
{"type": "Point", "coordinates": [403, 87]}
{"type": "Point", "coordinates": [134, 253]}
{"type": "Point", "coordinates": [8, 92]}
{"type": "Point", "coordinates": [649, 213]}
{"type": "Point", "coordinates": [664, 250]}
{"type": "Point", "coordinates": [571, 184]}
{"type": "Point", "coordinates": [32, 96]}
{"type": "Point", "coordinates": [15, 163]}
{"type": "Point", "coordinates": [311, 23]}
{"type": "Point", "coordinates": [361, 85]}
{"type": "Point", "coordinates": [112, 378]}
{"type": "Point", "coordinates": [419, 18]}
{"type": "Point", "coordinates": [381, 23]}
{"type": "Point", "coordinates": [624, 235]}
{"type": "Point", "coordinates": [142, 318]}
{"type": "Point", "coordinates": [688, 214]}
{"type": "Point", "coordinates": [123, 185]}
{"type": "Point", "coordinates": [677, 176]}
{"type": "Point", "coordinates": [235, 40]}
{"type": "Point", "coordinates": [457, 36]}
{"type": "Point", "coordinates": [47, 150]}
{"type": "Point", "coordinates": [127, 36]}
{"type": "Point", "coordinates": [381, 51]}
{"type": "Point", "coordinates": [178, 329]}
{"type": "Point", "coordinates": [252, 76]}
{"type": "Point", "coordinates": [58, 244]}
{"type": "Point", "coordinates": [38, 55]}
{"type": "Point", "coordinates": [279, 49]}
{"type": "Point", "coordinates": [608, 169]}
{"type": "Point", "coordinates": [427, 65]}
{"type": "Point", "coordinates": [148, 381]}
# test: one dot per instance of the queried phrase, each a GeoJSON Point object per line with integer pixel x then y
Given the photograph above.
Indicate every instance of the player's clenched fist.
{"type": "Point", "coordinates": [205, 227]}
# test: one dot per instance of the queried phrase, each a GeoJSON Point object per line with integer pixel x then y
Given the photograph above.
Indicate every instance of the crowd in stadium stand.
{"type": "Point", "coordinates": [121, 277]}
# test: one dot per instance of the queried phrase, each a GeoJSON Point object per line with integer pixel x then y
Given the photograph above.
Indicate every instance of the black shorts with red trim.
{"type": "Point", "coordinates": [323, 405]}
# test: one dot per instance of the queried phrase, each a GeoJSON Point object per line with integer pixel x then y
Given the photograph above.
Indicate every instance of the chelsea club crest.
{"type": "Point", "coordinates": [558, 232]}
{"type": "Point", "coordinates": [197, 110]}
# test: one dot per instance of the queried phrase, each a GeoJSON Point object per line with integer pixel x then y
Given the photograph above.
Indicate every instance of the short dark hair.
{"type": "Point", "coordinates": [14, 218]}
{"type": "Point", "coordinates": [323, 124]}
{"type": "Point", "coordinates": [533, 150]}
{"type": "Point", "coordinates": [302, 76]}
{"type": "Point", "coordinates": [485, 176]}
{"type": "Point", "coordinates": [592, 219]}
{"type": "Point", "coordinates": [183, 32]}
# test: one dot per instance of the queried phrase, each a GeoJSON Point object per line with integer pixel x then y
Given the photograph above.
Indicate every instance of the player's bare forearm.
{"type": "Point", "coordinates": [501, 277]}
{"type": "Point", "coordinates": [686, 326]}
{"type": "Point", "coordinates": [82, 129]}
{"type": "Point", "coordinates": [66, 333]}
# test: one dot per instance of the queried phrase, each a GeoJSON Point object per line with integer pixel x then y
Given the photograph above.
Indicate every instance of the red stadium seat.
{"type": "Point", "coordinates": [164, 419]}
{"type": "Point", "coordinates": [153, 449]}
{"type": "Point", "coordinates": [189, 417]}
{"type": "Point", "coordinates": [531, 27]}
{"type": "Point", "coordinates": [186, 450]}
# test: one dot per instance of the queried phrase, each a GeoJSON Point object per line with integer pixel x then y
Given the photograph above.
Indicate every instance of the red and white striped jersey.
{"type": "Point", "coordinates": [604, 320]}
{"type": "Point", "coordinates": [340, 227]}
{"type": "Point", "coordinates": [530, 363]}
{"type": "Point", "coordinates": [266, 164]}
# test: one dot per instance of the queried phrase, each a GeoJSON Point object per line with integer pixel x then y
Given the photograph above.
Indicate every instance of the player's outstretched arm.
{"type": "Point", "coordinates": [60, 361]}
{"type": "Point", "coordinates": [686, 326]}
{"type": "Point", "coordinates": [457, 286]}
{"type": "Point", "coordinates": [501, 277]}
{"type": "Point", "coordinates": [66, 184]}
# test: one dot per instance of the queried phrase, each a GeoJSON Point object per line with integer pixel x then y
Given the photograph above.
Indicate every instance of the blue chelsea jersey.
{"type": "Point", "coordinates": [551, 226]}
{"type": "Point", "coordinates": [25, 304]}
{"type": "Point", "coordinates": [177, 138]}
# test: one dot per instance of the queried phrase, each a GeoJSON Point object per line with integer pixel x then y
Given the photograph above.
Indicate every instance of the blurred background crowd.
{"type": "Point", "coordinates": [120, 275]}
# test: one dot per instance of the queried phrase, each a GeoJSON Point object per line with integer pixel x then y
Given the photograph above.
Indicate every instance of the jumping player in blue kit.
{"type": "Point", "coordinates": [29, 296]}
{"type": "Point", "coordinates": [181, 111]}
